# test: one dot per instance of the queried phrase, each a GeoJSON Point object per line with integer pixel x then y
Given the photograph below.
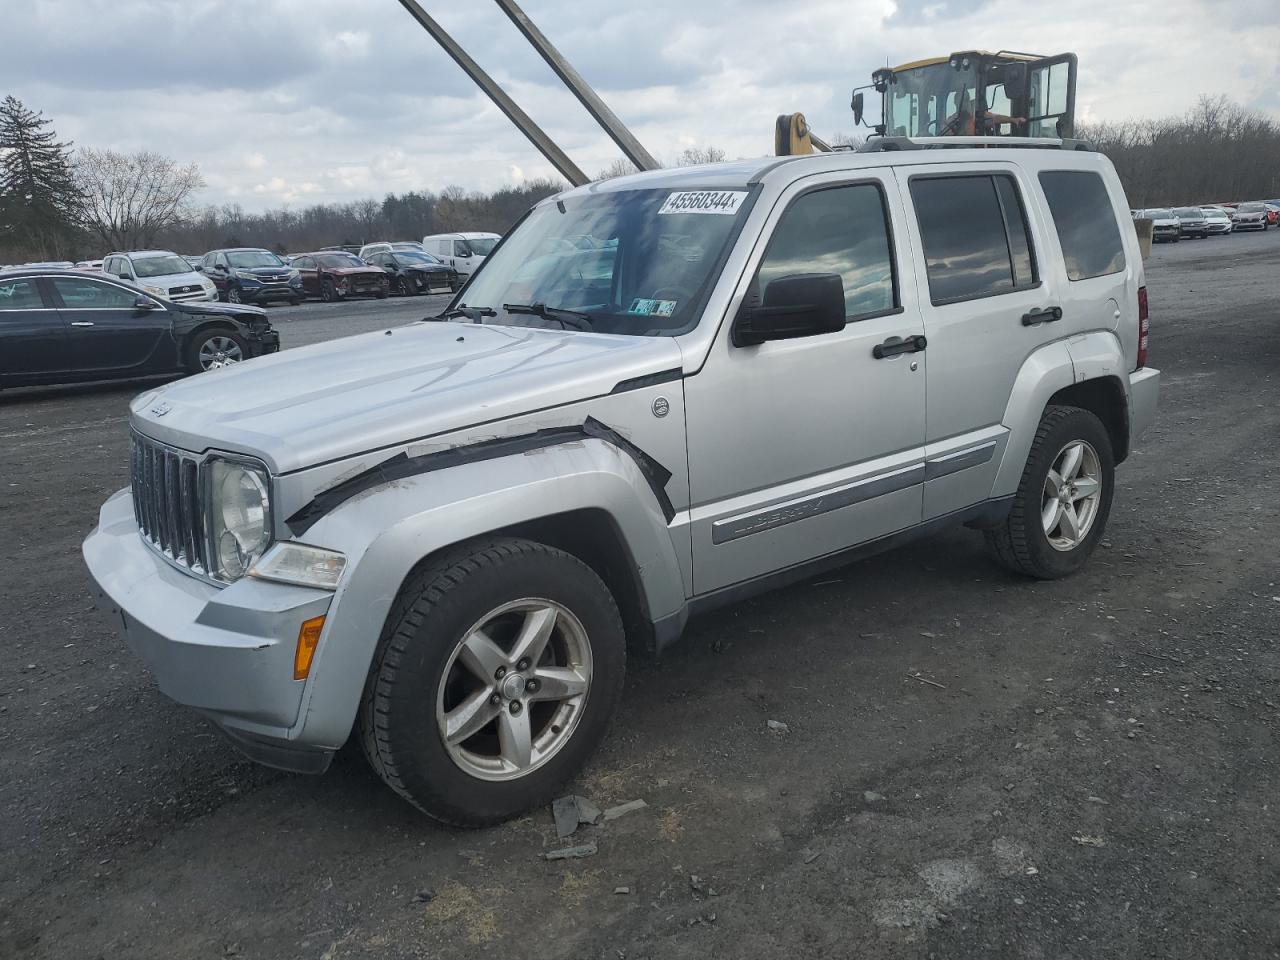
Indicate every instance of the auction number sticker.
{"type": "Point", "coordinates": [704, 201]}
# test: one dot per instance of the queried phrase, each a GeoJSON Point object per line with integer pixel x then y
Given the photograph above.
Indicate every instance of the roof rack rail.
{"type": "Point", "coordinates": [886, 144]}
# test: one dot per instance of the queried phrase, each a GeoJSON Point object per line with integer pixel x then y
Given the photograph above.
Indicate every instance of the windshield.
{"type": "Point", "coordinates": [924, 100]}
{"type": "Point", "coordinates": [413, 256]}
{"type": "Point", "coordinates": [481, 246]}
{"type": "Point", "coordinates": [340, 260]}
{"type": "Point", "coordinates": [651, 259]}
{"type": "Point", "coordinates": [1192, 212]}
{"type": "Point", "coordinates": [1252, 207]}
{"type": "Point", "coordinates": [407, 245]}
{"type": "Point", "coordinates": [1159, 214]}
{"type": "Point", "coordinates": [165, 266]}
{"type": "Point", "coordinates": [253, 258]}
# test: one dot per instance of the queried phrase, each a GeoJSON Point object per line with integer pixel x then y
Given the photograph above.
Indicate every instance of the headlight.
{"type": "Point", "coordinates": [301, 564]}
{"type": "Point", "coordinates": [245, 275]}
{"type": "Point", "coordinates": [239, 516]}
{"type": "Point", "coordinates": [155, 291]}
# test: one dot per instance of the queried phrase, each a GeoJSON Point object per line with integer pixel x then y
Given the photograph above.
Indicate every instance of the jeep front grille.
{"type": "Point", "coordinates": [167, 502]}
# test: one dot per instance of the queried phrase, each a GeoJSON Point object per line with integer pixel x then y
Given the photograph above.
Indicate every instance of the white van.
{"type": "Point", "coordinates": [462, 251]}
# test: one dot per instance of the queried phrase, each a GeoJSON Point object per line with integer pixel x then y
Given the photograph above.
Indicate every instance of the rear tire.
{"type": "Point", "coordinates": [427, 670]}
{"type": "Point", "coordinates": [1038, 538]}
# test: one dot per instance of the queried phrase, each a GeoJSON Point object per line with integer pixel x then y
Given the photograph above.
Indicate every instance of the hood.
{"type": "Point", "coordinates": [353, 271]}
{"type": "Point", "coordinates": [188, 279]}
{"type": "Point", "coordinates": [272, 272]}
{"type": "Point", "coordinates": [428, 268]}
{"type": "Point", "coordinates": [212, 308]}
{"type": "Point", "coordinates": [333, 400]}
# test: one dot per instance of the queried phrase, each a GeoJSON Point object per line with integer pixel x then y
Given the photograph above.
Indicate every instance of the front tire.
{"type": "Point", "coordinates": [405, 287]}
{"type": "Point", "coordinates": [494, 680]}
{"type": "Point", "coordinates": [233, 294]}
{"type": "Point", "coordinates": [1060, 510]}
{"type": "Point", "coordinates": [215, 349]}
{"type": "Point", "coordinates": [328, 292]}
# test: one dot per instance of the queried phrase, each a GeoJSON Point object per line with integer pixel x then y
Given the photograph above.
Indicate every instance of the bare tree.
{"type": "Point", "coordinates": [368, 214]}
{"type": "Point", "coordinates": [130, 197]}
{"type": "Point", "coordinates": [619, 168]}
{"type": "Point", "coordinates": [692, 156]}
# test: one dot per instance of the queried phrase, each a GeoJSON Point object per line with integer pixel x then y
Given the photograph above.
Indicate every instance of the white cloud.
{"type": "Point", "coordinates": [343, 104]}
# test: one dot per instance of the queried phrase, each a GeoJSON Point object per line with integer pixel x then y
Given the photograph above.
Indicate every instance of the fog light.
{"type": "Point", "coordinates": [308, 638]}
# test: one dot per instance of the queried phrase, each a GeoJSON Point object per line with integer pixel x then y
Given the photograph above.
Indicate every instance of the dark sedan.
{"type": "Point", "coordinates": [65, 326]}
{"type": "Point", "coordinates": [334, 275]}
{"type": "Point", "coordinates": [412, 272]}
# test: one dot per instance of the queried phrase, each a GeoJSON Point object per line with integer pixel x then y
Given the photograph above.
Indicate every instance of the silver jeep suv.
{"type": "Point", "coordinates": [662, 393]}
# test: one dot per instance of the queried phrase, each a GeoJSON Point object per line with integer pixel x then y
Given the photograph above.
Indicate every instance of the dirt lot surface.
{"type": "Point", "coordinates": [974, 765]}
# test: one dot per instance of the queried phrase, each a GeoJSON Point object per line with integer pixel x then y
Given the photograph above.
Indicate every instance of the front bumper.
{"type": "Point", "coordinates": [1144, 394]}
{"type": "Point", "coordinates": [1250, 224]}
{"type": "Point", "coordinates": [252, 291]}
{"type": "Point", "coordinates": [226, 651]}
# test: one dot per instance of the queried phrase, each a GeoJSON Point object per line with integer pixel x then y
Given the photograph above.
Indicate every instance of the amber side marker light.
{"type": "Point", "coordinates": [308, 637]}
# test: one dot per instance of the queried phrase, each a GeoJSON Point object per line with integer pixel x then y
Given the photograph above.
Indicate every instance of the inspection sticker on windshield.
{"type": "Point", "coordinates": [652, 308]}
{"type": "Point", "coordinates": [704, 201]}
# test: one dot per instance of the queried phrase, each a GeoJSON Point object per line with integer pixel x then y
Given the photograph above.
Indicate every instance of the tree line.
{"type": "Point", "coordinates": [59, 202]}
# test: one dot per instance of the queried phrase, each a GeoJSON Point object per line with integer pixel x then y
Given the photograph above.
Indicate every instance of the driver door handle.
{"type": "Point", "coordinates": [894, 346]}
{"type": "Point", "coordinates": [1047, 315]}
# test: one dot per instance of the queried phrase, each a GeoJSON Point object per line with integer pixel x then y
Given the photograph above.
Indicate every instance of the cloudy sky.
{"type": "Point", "coordinates": [290, 102]}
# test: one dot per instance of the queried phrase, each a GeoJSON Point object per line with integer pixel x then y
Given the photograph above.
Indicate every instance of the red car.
{"type": "Point", "coordinates": [333, 275]}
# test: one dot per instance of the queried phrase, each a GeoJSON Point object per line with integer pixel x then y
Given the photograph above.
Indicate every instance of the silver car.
{"type": "Point", "coordinates": [440, 538]}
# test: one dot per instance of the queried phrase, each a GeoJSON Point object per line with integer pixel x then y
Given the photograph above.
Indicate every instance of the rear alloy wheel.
{"type": "Point", "coordinates": [494, 680]}
{"type": "Point", "coordinates": [215, 349]}
{"type": "Point", "coordinates": [1064, 498]}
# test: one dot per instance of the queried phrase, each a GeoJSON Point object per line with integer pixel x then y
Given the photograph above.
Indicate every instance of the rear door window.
{"type": "Point", "coordinates": [975, 237]}
{"type": "Point", "coordinates": [1085, 221]}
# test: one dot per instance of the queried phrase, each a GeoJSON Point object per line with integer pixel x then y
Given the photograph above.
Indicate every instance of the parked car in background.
{"type": "Point", "coordinates": [93, 266]}
{"type": "Point", "coordinates": [1164, 225]}
{"type": "Point", "coordinates": [413, 272]}
{"type": "Point", "coordinates": [1217, 221]}
{"type": "Point", "coordinates": [65, 326]}
{"type": "Point", "coordinates": [1191, 221]}
{"type": "Point", "coordinates": [161, 273]}
{"type": "Point", "coordinates": [382, 246]}
{"type": "Point", "coordinates": [251, 275]}
{"type": "Point", "coordinates": [1251, 216]}
{"type": "Point", "coordinates": [191, 259]}
{"type": "Point", "coordinates": [1273, 212]}
{"type": "Point", "coordinates": [337, 275]}
{"type": "Point", "coordinates": [462, 251]}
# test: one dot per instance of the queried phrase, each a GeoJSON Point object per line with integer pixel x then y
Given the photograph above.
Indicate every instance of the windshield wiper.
{"type": "Point", "coordinates": [474, 314]}
{"type": "Point", "coordinates": [575, 318]}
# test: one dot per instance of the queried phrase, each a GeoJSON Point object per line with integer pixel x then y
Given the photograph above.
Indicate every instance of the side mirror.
{"type": "Point", "coordinates": [1015, 78]}
{"type": "Point", "coordinates": [144, 304]}
{"type": "Point", "coordinates": [220, 267]}
{"type": "Point", "coordinates": [857, 107]}
{"type": "Point", "coordinates": [801, 305]}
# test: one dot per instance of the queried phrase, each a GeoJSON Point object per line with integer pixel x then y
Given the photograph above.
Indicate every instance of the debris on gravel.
{"type": "Point", "coordinates": [622, 809]}
{"type": "Point", "coordinates": [777, 726]}
{"type": "Point", "coordinates": [572, 853]}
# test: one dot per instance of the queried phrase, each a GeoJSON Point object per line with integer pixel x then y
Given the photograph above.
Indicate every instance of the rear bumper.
{"type": "Point", "coordinates": [226, 652]}
{"type": "Point", "coordinates": [1144, 394]}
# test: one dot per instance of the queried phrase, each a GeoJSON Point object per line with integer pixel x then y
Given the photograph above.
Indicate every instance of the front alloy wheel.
{"type": "Point", "coordinates": [218, 352]}
{"type": "Point", "coordinates": [233, 294]}
{"type": "Point", "coordinates": [494, 680]}
{"type": "Point", "coordinates": [515, 689]}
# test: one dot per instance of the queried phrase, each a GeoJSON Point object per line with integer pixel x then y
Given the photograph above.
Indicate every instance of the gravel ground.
{"type": "Point", "coordinates": [974, 765]}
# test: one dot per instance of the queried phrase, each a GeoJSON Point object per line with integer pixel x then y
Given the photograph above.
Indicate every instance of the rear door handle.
{"type": "Point", "coordinates": [894, 346]}
{"type": "Point", "coordinates": [82, 323]}
{"type": "Point", "coordinates": [1047, 315]}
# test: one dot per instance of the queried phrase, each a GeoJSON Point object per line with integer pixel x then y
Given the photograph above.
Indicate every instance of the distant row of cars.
{"type": "Point", "coordinates": [1171, 224]}
{"type": "Point", "coordinates": [257, 275]}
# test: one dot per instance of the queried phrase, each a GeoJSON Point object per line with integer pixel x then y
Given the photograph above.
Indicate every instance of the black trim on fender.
{"type": "Point", "coordinates": [648, 380]}
{"type": "Point", "coordinates": [402, 465]}
{"type": "Point", "coordinates": [962, 460]}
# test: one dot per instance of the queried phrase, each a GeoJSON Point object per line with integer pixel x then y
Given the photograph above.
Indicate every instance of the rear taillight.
{"type": "Point", "coordinates": [1144, 327]}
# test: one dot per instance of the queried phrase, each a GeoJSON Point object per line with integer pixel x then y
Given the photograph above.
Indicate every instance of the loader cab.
{"type": "Point", "coordinates": [975, 93]}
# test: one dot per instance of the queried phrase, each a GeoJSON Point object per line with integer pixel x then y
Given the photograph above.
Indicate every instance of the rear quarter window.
{"type": "Point", "coordinates": [1085, 221]}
